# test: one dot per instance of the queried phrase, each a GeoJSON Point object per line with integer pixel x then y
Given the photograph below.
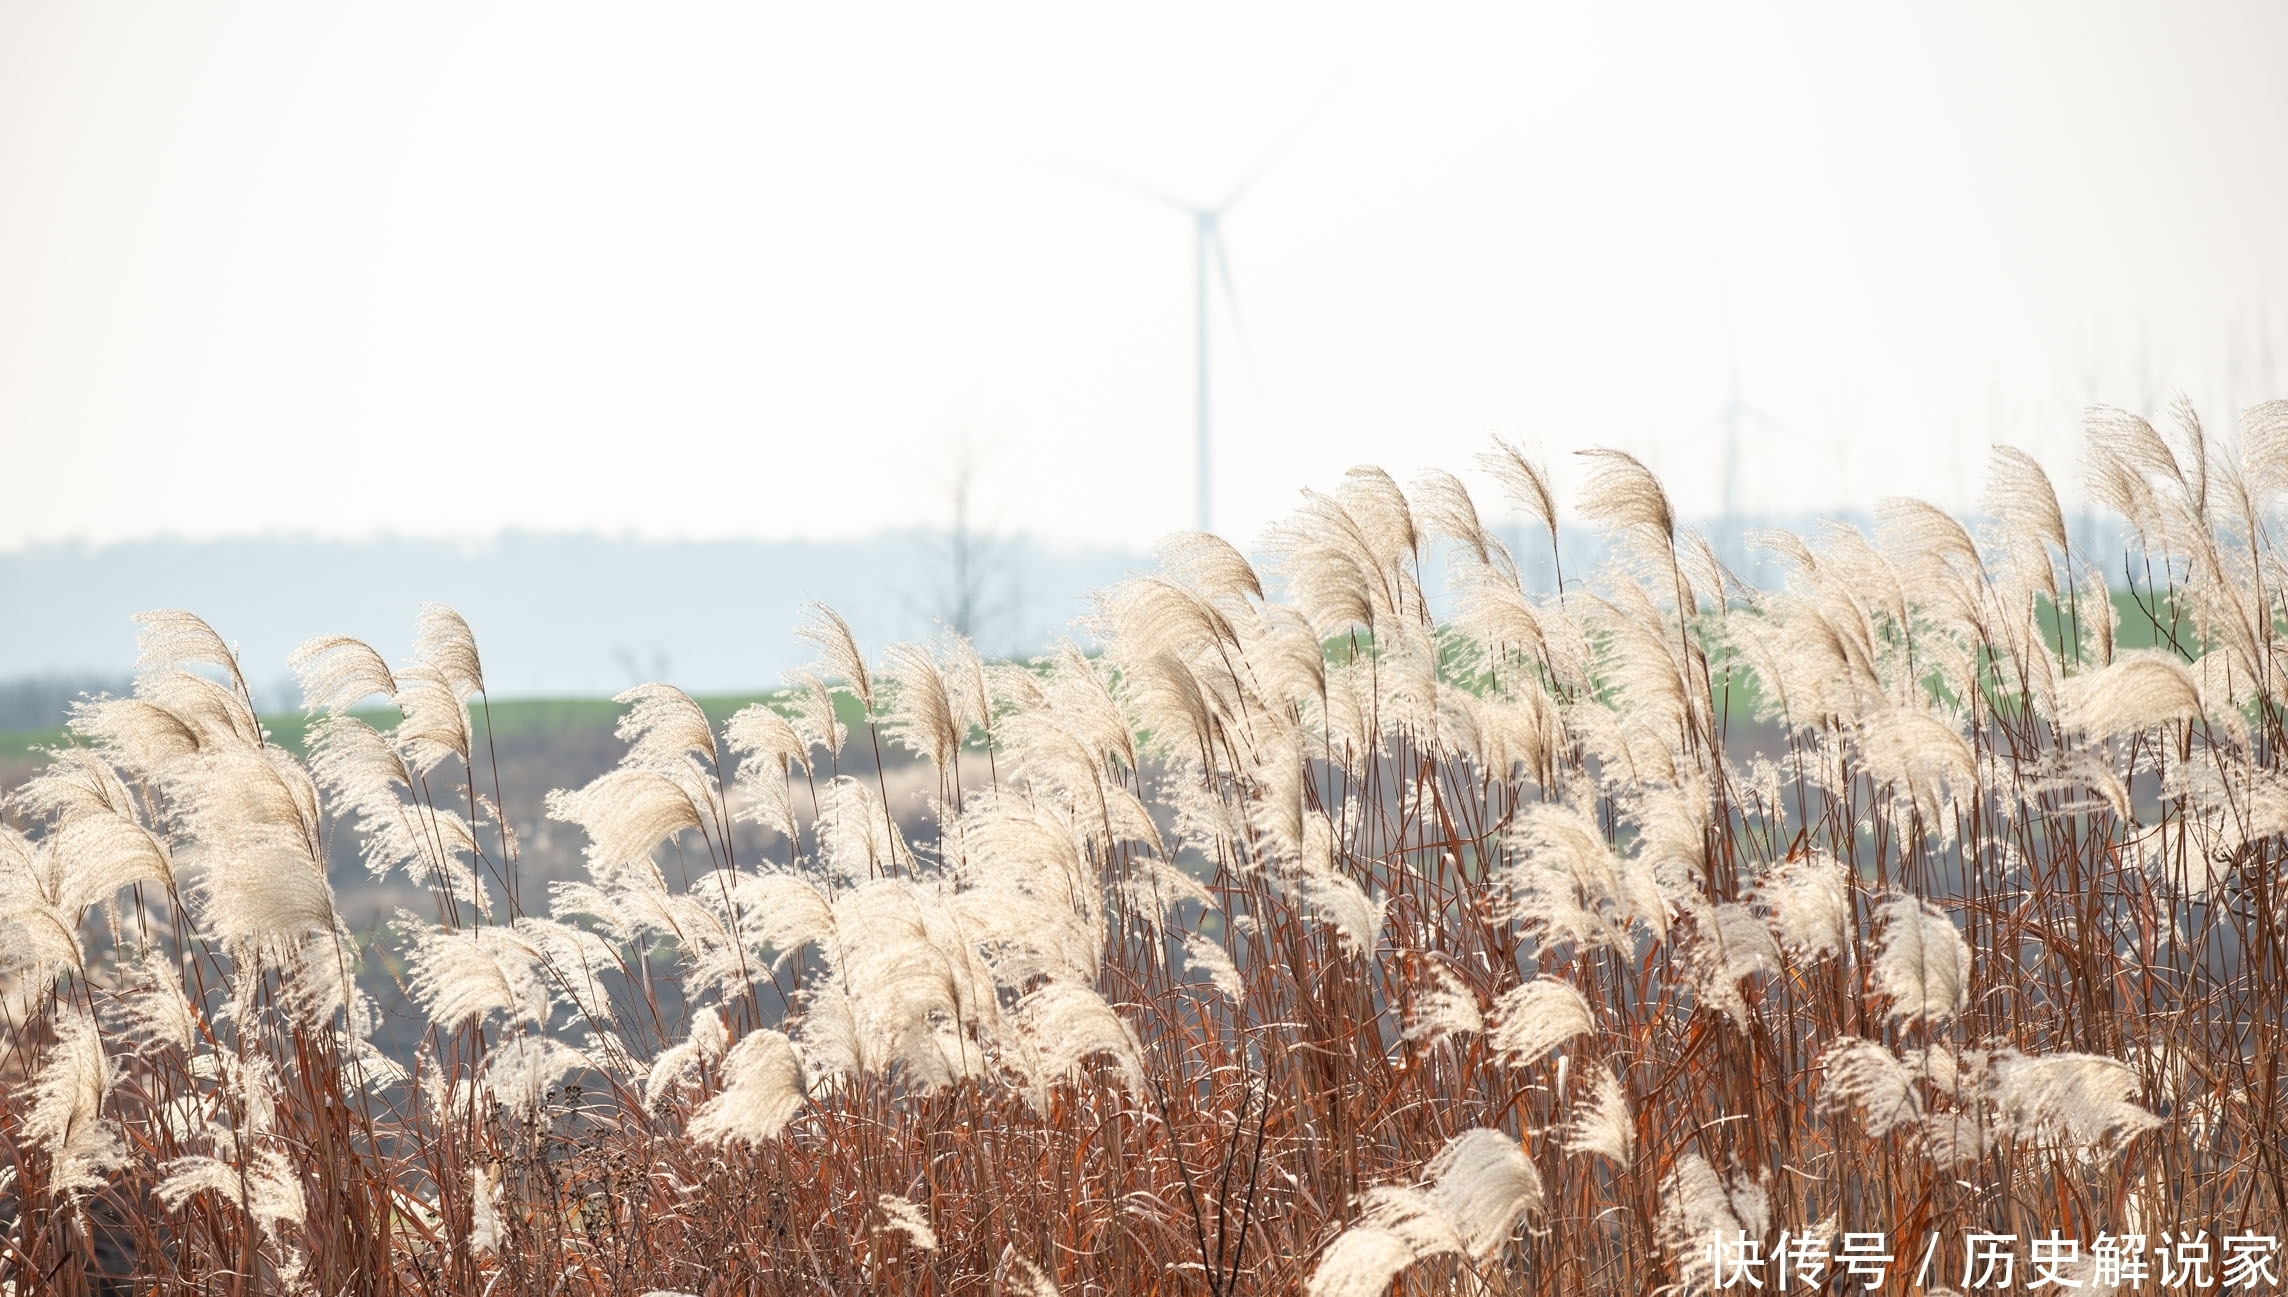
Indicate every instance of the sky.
{"type": "Point", "coordinates": [704, 271]}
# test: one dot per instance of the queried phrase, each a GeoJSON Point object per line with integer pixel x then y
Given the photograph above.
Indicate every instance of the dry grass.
{"type": "Point", "coordinates": [1298, 942]}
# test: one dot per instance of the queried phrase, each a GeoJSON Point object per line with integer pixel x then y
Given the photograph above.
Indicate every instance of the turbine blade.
{"type": "Point", "coordinates": [1137, 188]}
{"type": "Point", "coordinates": [1272, 155]}
{"type": "Point", "coordinates": [1239, 327]}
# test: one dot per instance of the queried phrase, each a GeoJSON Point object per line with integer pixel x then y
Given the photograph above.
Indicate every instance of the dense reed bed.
{"type": "Point", "coordinates": [1299, 941]}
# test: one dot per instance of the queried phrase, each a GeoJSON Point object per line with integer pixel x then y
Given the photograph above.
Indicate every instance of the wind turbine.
{"type": "Point", "coordinates": [1207, 245]}
{"type": "Point", "coordinates": [1736, 413]}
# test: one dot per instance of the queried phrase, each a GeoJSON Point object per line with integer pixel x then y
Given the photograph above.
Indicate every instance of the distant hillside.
{"type": "Point", "coordinates": [558, 615]}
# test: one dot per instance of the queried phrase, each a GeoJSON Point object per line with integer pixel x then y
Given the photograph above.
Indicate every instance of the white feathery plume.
{"type": "Point", "coordinates": [66, 1117]}
{"type": "Point", "coordinates": [1210, 565]}
{"type": "Point", "coordinates": [435, 728]}
{"type": "Point", "coordinates": [1443, 508]}
{"type": "Point", "coordinates": [1481, 1185]}
{"type": "Point", "coordinates": [1922, 964]}
{"type": "Point", "coordinates": [1526, 484]}
{"type": "Point", "coordinates": [1065, 1024]}
{"type": "Point", "coordinates": [171, 638]}
{"type": "Point", "coordinates": [1733, 944]}
{"type": "Point", "coordinates": [1809, 903]}
{"type": "Point", "coordinates": [1606, 1126]}
{"type": "Point", "coordinates": [1344, 905]}
{"type": "Point", "coordinates": [2019, 493]}
{"type": "Point", "coordinates": [814, 718]}
{"type": "Point", "coordinates": [2077, 1101]}
{"type": "Point", "coordinates": [855, 835]}
{"type": "Point", "coordinates": [443, 640]}
{"type": "Point", "coordinates": [1484, 1185]}
{"type": "Point", "coordinates": [766, 744]}
{"type": "Point", "coordinates": [485, 1215]}
{"type": "Point", "coordinates": [1863, 1075]}
{"type": "Point", "coordinates": [98, 854]}
{"type": "Point", "coordinates": [919, 711]}
{"type": "Point", "coordinates": [460, 975]}
{"type": "Point", "coordinates": [826, 1037]}
{"type": "Point", "coordinates": [38, 939]}
{"type": "Point", "coordinates": [662, 725]}
{"type": "Point", "coordinates": [337, 673]}
{"type": "Point", "coordinates": [705, 1043]}
{"type": "Point", "coordinates": [1530, 1020]}
{"type": "Point", "coordinates": [2138, 690]}
{"type": "Point", "coordinates": [626, 813]}
{"type": "Point", "coordinates": [1697, 1204]}
{"type": "Point", "coordinates": [783, 912]}
{"type": "Point", "coordinates": [269, 1190]}
{"type": "Point", "coordinates": [522, 1072]}
{"type": "Point", "coordinates": [1032, 1281]}
{"type": "Point", "coordinates": [1446, 1007]}
{"type": "Point", "coordinates": [906, 1218]}
{"type": "Point", "coordinates": [1915, 751]}
{"type": "Point", "coordinates": [1208, 955]}
{"type": "Point", "coordinates": [837, 650]}
{"type": "Point", "coordinates": [75, 782]}
{"type": "Point", "coordinates": [211, 715]}
{"type": "Point", "coordinates": [158, 1007]}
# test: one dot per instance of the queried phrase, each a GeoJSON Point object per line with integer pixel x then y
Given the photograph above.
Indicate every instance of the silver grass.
{"type": "Point", "coordinates": [1446, 1007]}
{"type": "Point", "coordinates": [337, 673]}
{"type": "Point", "coordinates": [142, 737]}
{"type": "Point", "coordinates": [171, 638]}
{"type": "Point", "coordinates": [704, 1043]}
{"type": "Point", "coordinates": [783, 913]}
{"type": "Point", "coordinates": [1331, 570]}
{"type": "Point", "coordinates": [661, 726]}
{"type": "Point", "coordinates": [1484, 1185]}
{"type": "Point", "coordinates": [1481, 1185]}
{"type": "Point", "coordinates": [1525, 483]}
{"type": "Point", "coordinates": [762, 1091]}
{"type": "Point", "coordinates": [2264, 448]}
{"type": "Point", "coordinates": [907, 990]}
{"type": "Point", "coordinates": [485, 1217]}
{"type": "Point", "coordinates": [814, 719]}
{"type": "Point", "coordinates": [1385, 518]}
{"type": "Point", "coordinates": [444, 643]}
{"type": "Point", "coordinates": [75, 782]}
{"type": "Point", "coordinates": [1916, 752]}
{"type": "Point", "coordinates": [2079, 1102]}
{"type": "Point", "coordinates": [1530, 1020]}
{"type": "Point", "coordinates": [1808, 900]}
{"type": "Point", "coordinates": [214, 716]}
{"type": "Point", "coordinates": [919, 713]}
{"type": "Point", "coordinates": [906, 1218]}
{"type": "Point", "coordinates": [626, 813]}
{"type": "Point", "coordinates": [1623, 494]}
{"type": "Point", "coordinates": [1338, 901]}
{"type": "Point", "coordinates": [1208, 955]}
{"type": "Point", "coordinates": [65, 1117]}
{"type": "Point", "coordinates": [1065, 1024]}
{"type": "Point", "coordinates": [99, 854]}
{"type": "Point", "coordinates": [158, 1009]}
{"type": "Point", "coordinates": [1733, 944]}
{"type": "Point", "coordinates": [522, 1072]}
{"type": "Point", "coordinates": [435, 726]}
{"type": "Point", "coordinates": [1030, 1279]}
{"type": "Point", "coordinates": [1444, 510]}
{"type": "Point", "coordinates": [1606, 1126]}
{"type": "Point", "coordinates": [856, 838]}
{"type": "Point", "coordinates": [1864, 1076]}
{"type": "Point", "coordinates": [2019, 493]}
{"type": "Point", "coordinates": [1922, 964]}
{"type": "Point", "coordinates": [1158, 891]}
{"type": "Point", "coordinates": [267, 1188]}
{"type": "Point", "coordinates": [1210, 565]}
{"type": "Point", "coordinates": [2138, 690]}
{"type": "Point", "coordinates": [766, 745]}
{"type": "Point", "coordinates": [1697, 1204]}
{"type": "Point", "coordinates": [462, 976]}
{"type": "Point", "coordinates": [825, 1037]}
{"type": "Point", "coordinates": [837, 649]}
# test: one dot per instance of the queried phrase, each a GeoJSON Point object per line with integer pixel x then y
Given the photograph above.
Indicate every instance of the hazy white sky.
{"type": "Point", "coordinates": [700, 270]}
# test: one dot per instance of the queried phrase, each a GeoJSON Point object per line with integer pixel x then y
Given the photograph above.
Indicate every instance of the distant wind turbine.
{"type": "Point", "coordinates": [1207, 243]}
{"type": "Point", "coordinates": [1736, 413]}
